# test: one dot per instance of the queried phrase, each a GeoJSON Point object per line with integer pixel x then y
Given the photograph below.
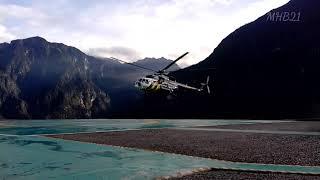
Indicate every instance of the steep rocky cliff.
{"type": "Point", "coordinates": [47, 80]}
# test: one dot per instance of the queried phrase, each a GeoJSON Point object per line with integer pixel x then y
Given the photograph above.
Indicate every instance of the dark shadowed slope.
{"type": "Point", "coordinates": [269, 66]}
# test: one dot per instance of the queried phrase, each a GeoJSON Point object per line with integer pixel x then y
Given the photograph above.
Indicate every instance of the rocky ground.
{"type": "Point", "coordinates": [238, 175]}
{"type": "Point", "coordinates": [230, 146]}
{"type": "Point", "coordinates": [238, 147]}
{"type": "Point", "coordinates": [303, 126]}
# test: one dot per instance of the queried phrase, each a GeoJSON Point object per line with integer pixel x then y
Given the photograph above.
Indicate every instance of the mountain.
{"type": "Point", "coordinates": [48, 80]}
{"type": "Point", "coordinates": [39, 79]}
{"type": "Point", "coordinates": [269, 67]}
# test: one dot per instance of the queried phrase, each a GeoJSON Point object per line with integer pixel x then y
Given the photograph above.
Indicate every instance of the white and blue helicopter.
{"type": "Point", "coordinates": [161, 81]}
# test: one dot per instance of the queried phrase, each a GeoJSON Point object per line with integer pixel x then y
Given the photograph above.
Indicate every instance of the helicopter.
{"type": "Point", "coordinates": [161, 81]}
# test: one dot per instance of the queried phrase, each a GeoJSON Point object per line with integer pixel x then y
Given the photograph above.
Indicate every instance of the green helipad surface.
{"type": "Point", "coordinates": [33, 127]}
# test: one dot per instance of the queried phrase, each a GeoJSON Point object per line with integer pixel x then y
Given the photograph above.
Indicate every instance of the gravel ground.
{"type": "Point", "coordinates": [241, 175]}
{"type": "Point", "coordinates": [301, 126]}
{"type": "Point", "coordinates": [237, 147]}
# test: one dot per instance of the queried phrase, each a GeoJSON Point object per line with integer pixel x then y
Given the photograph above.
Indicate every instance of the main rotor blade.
{"type": "Point", "coordinates": [133, 64]}
{"type": "Point", "coordinates": [167, 67]}
{"type": "Point", "coordinates": [198, 69]}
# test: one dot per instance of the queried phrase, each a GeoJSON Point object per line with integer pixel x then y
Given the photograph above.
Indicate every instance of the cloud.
{"type": "Point", "coordinates": [226, 2]}
{"type": "Point", "coordinates": [164, 28]}
{"type": "Point", "coordinates": [123, 53]}
{"type": "Point", "coordinates": [20, 12]}
{"type": "Point", "coordinates": [5, 35]}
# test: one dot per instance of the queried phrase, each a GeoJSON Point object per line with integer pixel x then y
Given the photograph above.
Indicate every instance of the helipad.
{"type": "Point", "coordinates": [25, 154]}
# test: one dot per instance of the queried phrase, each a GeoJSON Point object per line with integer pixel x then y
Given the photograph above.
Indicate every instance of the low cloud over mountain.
{"type": "Point", "coordinates": [124, 53]}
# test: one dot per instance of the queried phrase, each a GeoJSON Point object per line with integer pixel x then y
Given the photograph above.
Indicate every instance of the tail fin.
{"type": "Point", "coordinates": [206, 85]}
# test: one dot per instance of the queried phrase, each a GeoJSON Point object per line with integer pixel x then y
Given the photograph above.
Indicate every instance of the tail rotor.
{"type": "Point", "coordinates": [206, 84]}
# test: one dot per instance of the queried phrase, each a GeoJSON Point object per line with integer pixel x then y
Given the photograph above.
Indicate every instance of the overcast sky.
{"type": "Point", "coordinates": [131, 29]}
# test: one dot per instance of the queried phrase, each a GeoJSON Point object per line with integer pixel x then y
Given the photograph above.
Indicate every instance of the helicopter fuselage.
{"type": "Point", "coordinates": [156, 84]}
